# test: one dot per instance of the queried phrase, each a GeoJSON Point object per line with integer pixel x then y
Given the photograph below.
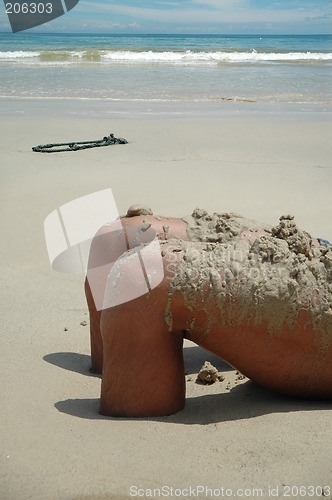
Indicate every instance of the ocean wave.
{"type": "Point", "coordinates": [165, 57]}
{"type": "Point", "coordinates": [17, 54]}
{"type": "Point", "coordinates": [213, 57]}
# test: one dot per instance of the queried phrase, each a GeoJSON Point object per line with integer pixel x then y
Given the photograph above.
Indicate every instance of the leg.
{"type": "Point", "coordinates": [108, 245]}
{"type": "Point", "coordinates": [96, 342]}
{"type": "Point", "coordinates": [143, 371]}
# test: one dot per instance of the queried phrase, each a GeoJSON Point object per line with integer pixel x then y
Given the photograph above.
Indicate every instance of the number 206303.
{"type": "Point", "coordinates": [306, 491]}
{"type": "Point", "coordinates": [29, 8]}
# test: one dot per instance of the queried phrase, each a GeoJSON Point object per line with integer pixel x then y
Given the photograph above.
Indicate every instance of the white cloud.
{"type": "Point", "coordinates": [227, 11]}
{"type": "Point", "coordinates": [134, 25]}
{"type": "Point", "coordinates": [221, 4]}
{"type": "Point", "coordinates": [202, 15]}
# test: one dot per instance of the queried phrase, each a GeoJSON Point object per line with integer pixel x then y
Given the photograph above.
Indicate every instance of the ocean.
{"type": "Point", "coordinates": [277, 70]}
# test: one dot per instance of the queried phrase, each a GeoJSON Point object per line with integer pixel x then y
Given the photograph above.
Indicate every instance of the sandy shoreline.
{"type": "Point", "coordinates": [233, 434]}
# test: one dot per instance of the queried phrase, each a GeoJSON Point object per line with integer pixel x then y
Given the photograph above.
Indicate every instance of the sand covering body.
{"type": "Point", "coordinates": [255, 274]}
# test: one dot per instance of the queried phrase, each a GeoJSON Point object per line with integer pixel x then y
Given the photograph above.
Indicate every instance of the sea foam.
{"type": "Point", "coordinates": [167, 57]}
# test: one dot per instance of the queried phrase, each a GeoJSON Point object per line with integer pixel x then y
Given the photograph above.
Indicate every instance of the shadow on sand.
{"type": "Point", "coordinates": [247, 400]}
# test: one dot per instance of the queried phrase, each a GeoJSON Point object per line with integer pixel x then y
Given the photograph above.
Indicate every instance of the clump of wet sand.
{"type": "Point", "coordinates": [209, 374]}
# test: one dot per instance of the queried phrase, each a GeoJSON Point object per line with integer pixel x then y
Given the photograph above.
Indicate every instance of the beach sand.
{"type": "Point", "coordinates": [231, 434]}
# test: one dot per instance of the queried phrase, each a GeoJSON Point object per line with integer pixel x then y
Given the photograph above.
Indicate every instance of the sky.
{"type": "Point", "coordinates": [192, 16]}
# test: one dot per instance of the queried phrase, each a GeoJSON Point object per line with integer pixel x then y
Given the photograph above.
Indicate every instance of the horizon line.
{"type": "Point", "coordinates": [158, 34]}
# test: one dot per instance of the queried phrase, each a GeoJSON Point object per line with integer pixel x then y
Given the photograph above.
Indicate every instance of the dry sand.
{"type": "Point", "coordinates": [232, 434]}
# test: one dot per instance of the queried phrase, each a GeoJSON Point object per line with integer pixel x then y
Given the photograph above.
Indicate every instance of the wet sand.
{"type": "Point", "coordinates": [232, 434]}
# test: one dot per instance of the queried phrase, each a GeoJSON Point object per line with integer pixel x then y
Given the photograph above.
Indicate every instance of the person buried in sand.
{"type": "Point", "coordinates": [257, 296]}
